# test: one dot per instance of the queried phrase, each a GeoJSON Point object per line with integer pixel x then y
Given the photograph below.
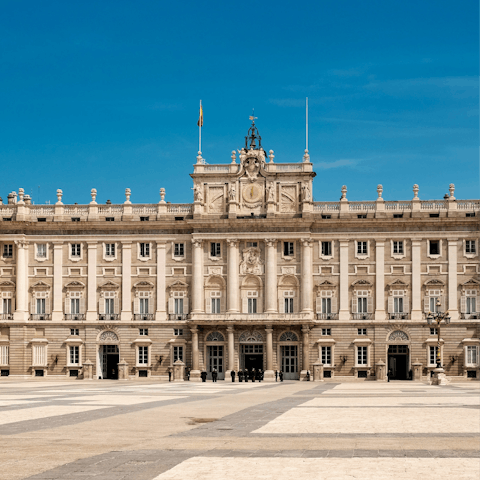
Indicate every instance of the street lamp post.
{"type": "Point", "coordinates": [437, 318]}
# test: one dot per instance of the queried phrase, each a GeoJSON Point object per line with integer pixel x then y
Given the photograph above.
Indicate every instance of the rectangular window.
{"type": "Point", "coordinates": [433, 355]}
{"type": "Point", "coordinates": [179, 306]}
{"type": "Point", "coordinates": [215, 305]}
{"type": "Point", "coordinates": [288, 305]}
{"type": "Point", "coordinates": [362, 355]}
{"type": "Point", "coordinates": [179, 250]}
{"type": "Point", "coordinates": [252, 305]}
{"type": "Point", "coordinates": [143, 355]}
{"type": "Point", "coordinates": [178, 332]}
{"type": "Point", "coordinates": [41, 305]}
{"type": "Point", "coordinates": [434, 247]}
{"type": "Point", "coordinates": [144, 250]}
{"type": "Point", "coordinates": [327, 249]}
{"type": "Point", "coordinates": [143, 332]}
{"type": "Point", "coordinates": [362, 331]}
{"type": "Point", "coordinates": [398, 247]}
{"type": "Point", "coordinates": [215, 250]}
{"type": "Point", "coordinates": [76, 249]}
{"type": "Point", "coordinates": [326, 305]}
{"type": "Point", "coordinates": [109, 249]}
{"type": "Point", "coordinates": [433, 304]}
{"type": "Point", "coordinates": [471, 305]}
{"type": "Point", "coordinates": [398, 304]}
{"type": "Point", "coordinates": [109, 306]}
{"type": "Point", "coordinates": [433, 331]}
{"type": "Point", "coordinates": [327, 355]}
{"type": "Point", "coordinates": [326, 331]}
{"type": "Point", "coordinates": [472, 355]}
{"type": "Point", "coordinates": [470, 246]}
{"type": "Point", "coordinates": [75, 305]}
{"type": "Point", "coordinates": [7, 250]}
{"type": "Point", "coordinates": [177, 354]}
{"type": "Point", "coordinates": [362, 248]}
{"type": "Point", "coordinates": [252, 244]}
{"type": "Point", "coordinates": [74, 331]}
{"type": "Point", "coordinates": [144, 305]}
{"type": "Point", "coordinates": [362, 304]}
{"type": "Point", "coordinates": [288, 250]}
{"type": "Point", "coordinates": [42, 250]}
{"type": "Point", "coordinates": [74, 354]}
{"type": "Point", "coordinates": [7, 305]}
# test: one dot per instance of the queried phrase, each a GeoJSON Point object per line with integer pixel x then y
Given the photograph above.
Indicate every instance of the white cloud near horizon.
{"type": "Point", "coordinates": [345, 162]}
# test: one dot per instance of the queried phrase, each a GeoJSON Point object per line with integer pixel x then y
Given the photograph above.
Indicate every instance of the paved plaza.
{"type": "Point", "coordinates": [165, 431]}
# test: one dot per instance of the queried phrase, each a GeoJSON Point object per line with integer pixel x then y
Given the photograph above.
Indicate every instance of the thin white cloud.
{"type": "Point", "coordinates": [345, 162]}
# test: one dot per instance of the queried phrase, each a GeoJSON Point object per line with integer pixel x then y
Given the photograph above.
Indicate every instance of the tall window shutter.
{"type": "Point", "coordinates": [68, 304]}
{"type": "Point", "coordinates": [354, 305]}
{"type": "Point", "coordinates": [47, 305]}
{"type": "Point", "coordinates": [244, 305]}
{"type": "Point", "coordinates": [463, 304]}
{"type": "Point", "coordinates": [1, 306]}
{"type": "Point", "coordinates": [334, 305]}
{"type": "Point", "coordinates": [426, 304]}
{"type": "Point", "coordinates": [223, 307]}
{"type": "Point", "coordinates": [185, 305]}
{"type": "Point", "coordinates": [318, 304]}
{"type": "Point", "coordinates": [13, 303]}
{"type": "Point", "coordinates": [208, 303]}
{"type": "Point", "coordinates": [260, 304]}
{"type": "Point", "coordinates": [442, 303]}
{"type": "Point", "coordinates": [171, 305]}
{"type": "Point", "coordinates": [101, 306]}
{"type": "Point", "coordinates": [477, 304]}
{"type": "Point", "coordinates": [136, 305]}
{"type": "Point", "coordinates": [391, 304]}
{"type": "Point", "coordinates": [370, 305]}
{"type": "Point", "coordinates": [406, 305]}
{"type": "Point", "coordinates": [82, 305]}
{"type": "Point", "coordinates": [212, 249]}
{"type": "Point", "coordinates": [116, 305]}
{"type": "Point", "coordinates": [33, 305]}
{"type": "Point", "coordinates": [151, 310]}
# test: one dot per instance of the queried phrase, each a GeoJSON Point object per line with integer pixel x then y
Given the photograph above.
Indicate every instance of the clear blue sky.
{"type": "Point", "coordinates": [105, 94]}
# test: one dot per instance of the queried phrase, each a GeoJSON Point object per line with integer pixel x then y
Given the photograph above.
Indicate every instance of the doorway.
{"type": "Point", "coordinates": [290, 362]}
{"type": "Point", "coordinates": [109, 358]}
{"type": "Point", "coordinates": [215, 360]}
{"type": "Point", "coordinates": [398, 362]}
{"type": "Point", "coordinates": [252, 357]}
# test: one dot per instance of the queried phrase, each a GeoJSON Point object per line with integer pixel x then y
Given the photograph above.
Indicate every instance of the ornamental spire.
{"type": "Point", "coordinates": [253, 135]}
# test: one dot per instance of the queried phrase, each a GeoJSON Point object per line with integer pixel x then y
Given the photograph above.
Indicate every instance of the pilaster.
{"type": "Point", "coordinates": [91, 281]}
{"type": "Point", "coordinates": [307, 276]}
{"type": "Point", "coordinates": [197, 281]}
{"type": "Point", "coordinates": [232, 276]}
{"type": "Point", "coordinates": [271, 276]}
{"type": "Point", "coordinates": [452, 279]}
{"type": "Point", "coordinates": [161, 312]}
{"type": "Point", "coordinates": [416, 280]}
{"type": "Point", "coordinates": [344, 311]}
{"type": "Point", "coordinates": [380, 280]}
{"type": "Point", "coordinates": [21, 312]}
{"type": "Point", "coordinates": [57, 311]}
{"type": "Point", "coordinates": [126, 280]}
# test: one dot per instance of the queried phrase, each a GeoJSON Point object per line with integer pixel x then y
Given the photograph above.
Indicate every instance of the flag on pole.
{"type": "Point", "coordinates": [200, 119]}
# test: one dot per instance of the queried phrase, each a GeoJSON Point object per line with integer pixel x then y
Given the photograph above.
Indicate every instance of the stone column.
{"type": "Point", "coordinates": [195, 372]}
{"type": "Point", "coordinates": [344, 312]}
{"type": "Point", "coordinates": [452, 279]}
{"type": "Point", "coordinates": [307, 276]}
{"type": "Point", "coordinates": [306, 352]}
{"type": "Point", "coordinates": [161, 313]}
{"type": "Point", "coordinates": [197, 280]}
{"type": "Point", "coordinates": [92, 281]}
{"type": "Point", "coordinates": [232, 277]}
{"type": "Point", "coordinates": [57, 305]}
{"type": "Point", "coordinates": [21, 311]}
{"type": "Point", "coordinates": [269, 375]}
{"type": "Point", "coordinates": [380, 280]}
{"type": "Point", "coordinates": [270, 276]}
{"type": "Point", "coordinates": [416, 280]}
{"type": "Point", "coordinates": [126, 281]}
{"type": "Point", "coordinates": [231, 351]}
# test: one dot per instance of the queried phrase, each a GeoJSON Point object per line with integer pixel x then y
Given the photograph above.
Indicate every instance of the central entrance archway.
{"type": "Point", "coordinates": [108, 355]}
{"type": "Point", "coordinates": [251, 350]}
{"type": "Point", "coordinates": [398, 356]}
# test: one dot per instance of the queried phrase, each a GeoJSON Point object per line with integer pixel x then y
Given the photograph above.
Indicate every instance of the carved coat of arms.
{"type": "Point", "coordinates": [251, 263]}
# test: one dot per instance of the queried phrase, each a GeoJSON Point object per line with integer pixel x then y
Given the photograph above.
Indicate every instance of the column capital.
{"type": "Point", "coordinates": [230, 329]}
{"type": "Point", "coordinates": [270, 242]}
{"type": "Point", "coordinates": [92, 243]}
{"type": "Point", "coordinates": [21, 243]}
{"type": "Point", "coordinates": [306, 242]}
{"type": "Point", "coordinates": [344, 243]}
{"type": "Point", "coordinates": [416, 242]}
{"type": "Point", "coordinates": [194, 330]}
{"type": "Point", "coordinates": [197, 242]}
{"type": "Point", "coordinates": [161, 244]}
{"type": "Point", "coordinates": [269, 329]}
{"type": "Point", "coordinates": [305, 329]}
{"type": "Point", "coordinates": [126, 244]}
{"type": "Point", "coordinates": [57, 244]}
{"type": "Point", "coordinates": [232, 242]}
{"type": "Point", "coordinates": [380, 242]}
{"type": "Point", "coordinates": [452, 241]}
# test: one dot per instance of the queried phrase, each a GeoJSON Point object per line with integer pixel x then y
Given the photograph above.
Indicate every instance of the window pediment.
{"type": "Point", "coordinates": [75, 284]}
{"type": "Point", "coordinates": [109, 285]}
{"type": "Point", "coordinates": [434, 282]}
{"type": "Point", "coordinates": [40, 286]}
{"type": "Point", "coordinates": [398, 284]}
{"type": "Point", "coordinates": [143, 284]}
{"type": "Point", "coordinates": [361, 284]}
{"type": "Point", "coordinates": [178, 285]}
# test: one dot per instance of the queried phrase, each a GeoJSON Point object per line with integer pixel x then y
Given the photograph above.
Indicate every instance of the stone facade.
{"type": "Point", "coordinates": [254, 273]}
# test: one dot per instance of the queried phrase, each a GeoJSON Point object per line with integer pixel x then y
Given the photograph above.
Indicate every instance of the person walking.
{"type": "Point", "coordinates": [389, 374]}
{"type": "Point", "coordinates": [253, 375]}
{"type": "Point", "coordinates": [245, 374]}
{"type": "Point", "coordinates": [169, 375]}
{"type": "Point", "coordinates": [232, 373]}
{"type": "Point", "coordinates": [204, 376]}
{"type": "Point", "coordinates": [281, 376]}
{"type": "Point", "coordinates": [214, 375]}
{"type": "Point", "coordinates": [276, 375]}
{"type": "Point", "coordinates": [240, 375]}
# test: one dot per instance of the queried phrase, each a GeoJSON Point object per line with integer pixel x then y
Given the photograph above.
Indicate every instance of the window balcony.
{"type": "Point", "coordinates": [144, 316]}
{"type": "Point", "coordinates": [362, 316]}
{"type": "Point", "coordinates": [74, 316]}
{"type": "Point", "coordinates": [398, 316]}
{"type": "Point", "coordinates": [40, 316]}
{"type": "Point", "coordinates": [327, 316]}
{"type": "Point", "coordinates": [470, 316]}
{"type": "Point", "coordinates": [6, 316]}
{"type": "Point", "coordinates": [177, 316]}
{"type": "Point", "coordinates": [108, 316]}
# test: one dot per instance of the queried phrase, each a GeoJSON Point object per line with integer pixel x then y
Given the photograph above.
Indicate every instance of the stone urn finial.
{"type": "Point", "coordinates": [21, 193]}
{"type": "Point", "coordinates": [344, 193]}
{"type": "Point", "coordinates": [451, 189]}
{"type": "Point", "coordinates": [93, 193]}
{"type": "Point", "coordinates": [162, 195]}
{"type": "Point", "coordinates": [234, 156]}
{"type": "Point", "coordinates": [128, 193]}
{"type": "Point", "coordinates": [415, 191]}
{"type": "Point", "coordinates": [379, 190]}
{"type": "Point", "coordinates": [59, 196]}
{"type": "Point", "coordinates": [306, 156]}
{"type": "Point", "coordinates": [271, 156]}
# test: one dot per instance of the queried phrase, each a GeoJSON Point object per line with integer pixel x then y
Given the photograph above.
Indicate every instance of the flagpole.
{"type": "Point", "coordinates": [306, 117]}
{"type": "Point", "coordinates": [200, 133]}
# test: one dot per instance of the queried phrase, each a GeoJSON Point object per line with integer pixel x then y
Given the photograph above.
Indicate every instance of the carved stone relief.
{"type": "Point", "coordinates": [251, 263]}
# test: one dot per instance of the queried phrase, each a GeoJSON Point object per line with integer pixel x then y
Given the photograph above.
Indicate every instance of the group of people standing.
{"type": "Point", "coordinates": [243, 375]}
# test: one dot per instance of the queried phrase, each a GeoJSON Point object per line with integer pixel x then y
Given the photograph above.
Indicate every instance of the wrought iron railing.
{"type": "Point", "coordinates": [6, 316]}
{"type": "Point", "coordinates": [74, 316]}
{"type": "Point", "coordinates": [398, 316]}
{"type": "Point", "coordinates": [40, 316]}
{"type": "Point", "coordinates": [108, 316]}
{"type": "Point", "coordinates": [177, 316]}
{"type": "Point", "coordinates": [144, 316]}
{"type": "Point", "coordinates": [327, 316]}
{"type": "Point", "coordinates": [362, 316]}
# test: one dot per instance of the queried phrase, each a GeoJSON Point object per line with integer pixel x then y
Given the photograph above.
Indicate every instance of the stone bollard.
{"type": "Point", "coordinates": [439, 377]}
{"type": "Point", "coordinates": [417, 371]}
{"type": "Point", "coordinates": [178, 371]}
{"type": "Point", "coordinates": [123, 370]}
{"type": "Point", "coordinates": [88, 370]}
{"type": "Point", "coordinates": [318, 371]}
{"type": "Point", "coordinates": [380, 370]}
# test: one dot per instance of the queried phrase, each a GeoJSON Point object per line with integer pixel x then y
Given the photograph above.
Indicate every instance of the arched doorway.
{"type": "Point", "coordinates": [288, 343]}
{"type": "Point", "coordinates": [398, 356]}
{"type": "Point", "coordinates": [251, 350]}
{"type": "Point", "coordinates": [215, 345]}
{"type": "Point", "coordinates": [108, 355]}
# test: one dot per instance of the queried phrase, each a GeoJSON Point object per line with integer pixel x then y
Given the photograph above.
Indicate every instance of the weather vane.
{"type": "Point", "coordinates": [252, 117]}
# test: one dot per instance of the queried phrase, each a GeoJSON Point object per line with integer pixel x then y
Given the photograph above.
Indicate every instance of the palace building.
{"type": "Point", "coordinates": [252, 274]}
